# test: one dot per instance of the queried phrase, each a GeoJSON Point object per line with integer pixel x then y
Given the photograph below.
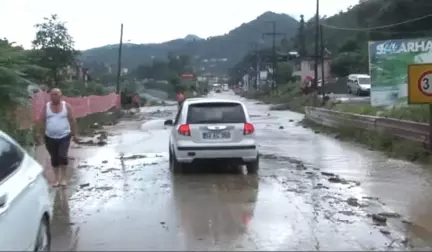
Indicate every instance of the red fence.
{"type": "Point", "coordinates": [81, 106]}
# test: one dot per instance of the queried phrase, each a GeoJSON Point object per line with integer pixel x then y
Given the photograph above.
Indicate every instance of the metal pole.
{"type": "Point", "coordinates": [119, 59]}
{"type": "Point", "coordinates": [256, 67]}
{"type": "Point", "coordinates": [322, 63]}
{"type": "Point", "coordinates": [430, 127]}
{"type": "Point", "coordinates": [274, 54]}
{"type": "Point", "coordinates": [317, 38]}
{"type": "Point", "coordinates": [274, 60]}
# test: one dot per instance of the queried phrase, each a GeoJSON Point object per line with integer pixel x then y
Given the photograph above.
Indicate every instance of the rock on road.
{"type": "Point", "coordinates": [312, 193]}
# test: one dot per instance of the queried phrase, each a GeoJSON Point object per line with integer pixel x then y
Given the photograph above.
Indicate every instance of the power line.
{"type": "Point", "coordinates": [377, 27]}
{"type": "Point", "coordinates": [387, 32]}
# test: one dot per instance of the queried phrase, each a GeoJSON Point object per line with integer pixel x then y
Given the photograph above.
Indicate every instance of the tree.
{"type": "Point", "coordinates": [301, 38]}
{"type": "Point", "coordinates": [349, 62]}
{"type": "Point", "coordinates": [55, 47]}
{"type": "Point", "coordinates": [16, 73]}
{"type": "Point", "coordinates": [285, 71]}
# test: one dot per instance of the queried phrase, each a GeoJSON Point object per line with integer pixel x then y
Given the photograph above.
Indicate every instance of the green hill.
{"type": "Point", "coordinates": [215, 54]}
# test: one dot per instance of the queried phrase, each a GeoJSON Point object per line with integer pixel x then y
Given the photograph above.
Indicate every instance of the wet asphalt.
{"type": "Point", "coordinates": [312, 192]}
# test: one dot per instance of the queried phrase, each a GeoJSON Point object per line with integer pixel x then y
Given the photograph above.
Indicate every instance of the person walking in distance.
{"type": "Point", "coordinates": [57, 128]}
{"type": "Point", "coordinates": [180, 99]}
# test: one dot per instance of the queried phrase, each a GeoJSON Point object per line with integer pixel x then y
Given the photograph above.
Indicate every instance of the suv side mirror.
{"type": "Point", "coordinates": [168, 122]}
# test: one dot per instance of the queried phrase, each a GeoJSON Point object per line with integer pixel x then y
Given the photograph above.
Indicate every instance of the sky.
{"type": "Point", "coordinates": [95, 23]}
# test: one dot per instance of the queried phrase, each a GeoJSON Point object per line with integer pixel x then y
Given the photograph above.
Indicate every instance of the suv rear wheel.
{"type": "Point", "coordinates": [253, 167]}
{"type": "Point", "coordinates": [175, 166]}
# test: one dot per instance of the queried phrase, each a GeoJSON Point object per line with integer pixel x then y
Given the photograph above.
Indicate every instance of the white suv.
{"type": "Point", "coordinates": [212, 129]}
{"type": "Point", "coordinates": [25, 204]}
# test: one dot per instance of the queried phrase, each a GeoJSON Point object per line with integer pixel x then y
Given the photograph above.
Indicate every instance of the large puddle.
{"type": "Point", "coordinates": [404, 187]}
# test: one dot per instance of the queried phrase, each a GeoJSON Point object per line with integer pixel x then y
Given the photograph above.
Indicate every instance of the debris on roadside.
{"type": "Point", "coordinates": [96, 126]}
{"type": "Point", "coordinates": [353, 202]}
{"type": "Point", "coordinates": [135, 156]}
{"type": "Point", "coordinates": [370, 198]}
{"type": "Point", "coordinates": [301, 166]}
{"type": "Point", "coordinates": [321, 186]}
{"type": "Point", "coordinates": [390, 215]}
{"type": "Point", "coordinates": [84, 185]}
{"type": "Point", "coordinates": [101, 135]}
{"type": "Point", "coordinates": [86, 142]}
{"type": "Point", "coordinates": [328, 174]}
{"type": "Point", "coordinates": [109, 170]}
{"type": "Point", "coordinates": [337, 179]}
{"type": "Point", "coordinates": [385, 231]}
{"type": "Point", "coordinates": [101, 143]}
{"type": "Point", "coordinates": [82, 166]}
{"type": "Point", "coordinates": [98, 139]}
{"type": "Point", "coordinates": [379, 219]}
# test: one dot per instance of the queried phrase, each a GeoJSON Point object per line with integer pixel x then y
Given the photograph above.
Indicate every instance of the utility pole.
{"type": "Point", "coordinates": [322, 63]}
{"type": "Point", "coordinates": [274, 57]}
{"type": "Point", "coordinates": [119, 67]}
{"type": "Point", "coordinates": [257, 66]}
{"type": "Point", "coordinates": [317, 38]}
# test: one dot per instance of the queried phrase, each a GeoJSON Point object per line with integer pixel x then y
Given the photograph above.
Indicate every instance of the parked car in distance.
{"type": "Point", "coordinates": [217, 88]}
{"type": "Point", "coordinates": [359, 84]}
{"type": "Point", "coordinates": [225, 87]}
{"type": "Point", "coordinates": [25, 205]}
{"type": "Point", "coordinates": [215, 130]}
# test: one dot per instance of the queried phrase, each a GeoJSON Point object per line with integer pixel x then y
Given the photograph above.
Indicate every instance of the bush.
{"type": "Point", "coordinates": [362, 109]}
{"type": "Point", "coordinates": [416, 113]}
{"type": "Point", "coordinates": [79, 88]}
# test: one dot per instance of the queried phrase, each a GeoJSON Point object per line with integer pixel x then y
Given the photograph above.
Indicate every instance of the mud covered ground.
{"type": "Point", "coordinates": [312, 193]}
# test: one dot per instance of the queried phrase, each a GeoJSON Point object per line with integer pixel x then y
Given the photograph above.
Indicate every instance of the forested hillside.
{"type": "Point", "coordinates": [226, 49]}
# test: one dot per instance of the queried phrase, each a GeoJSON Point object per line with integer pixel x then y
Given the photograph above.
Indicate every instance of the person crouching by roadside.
{"type": "Point", "coordinates": [136, 100]}
{"type": "Point", "coordinates": [57, 126]}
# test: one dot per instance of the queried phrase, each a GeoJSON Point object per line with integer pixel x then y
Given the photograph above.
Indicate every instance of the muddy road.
{"type": "Point", "coordinates": [312, 193]}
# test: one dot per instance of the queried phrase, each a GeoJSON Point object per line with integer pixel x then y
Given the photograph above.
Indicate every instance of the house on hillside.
{"type": "Point", "coordinates": [77, 72]}
{"type": "Point", "coordinates": [304, 68]}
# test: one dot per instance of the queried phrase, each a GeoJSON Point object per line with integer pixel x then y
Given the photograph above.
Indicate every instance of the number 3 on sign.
{"type": "Point", "coordinates": [426, 84]}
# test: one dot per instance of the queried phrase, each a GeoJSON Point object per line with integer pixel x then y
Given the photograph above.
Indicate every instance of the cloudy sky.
{"type": "Point", "coordinates": [95, 23]}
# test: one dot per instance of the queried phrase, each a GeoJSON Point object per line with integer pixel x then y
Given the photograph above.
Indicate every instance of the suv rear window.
{"type": "Point", "coordinates": [223, 112]}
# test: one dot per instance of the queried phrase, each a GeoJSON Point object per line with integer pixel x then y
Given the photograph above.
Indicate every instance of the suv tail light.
{"type": "Point", "coordinates": [184, 130]}
{"type": "Point", "coordinates": [248, 129]}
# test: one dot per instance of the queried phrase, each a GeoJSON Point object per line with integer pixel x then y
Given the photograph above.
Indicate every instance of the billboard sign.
{"type": "Point", "coordinates": [388, 63]}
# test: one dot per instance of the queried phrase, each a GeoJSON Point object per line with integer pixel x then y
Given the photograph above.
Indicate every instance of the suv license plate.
{"type": "Point", "coordinates": [216, 135]}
